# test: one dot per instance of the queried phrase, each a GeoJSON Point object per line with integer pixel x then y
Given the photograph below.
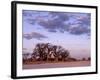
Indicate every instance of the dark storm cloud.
{"type": "Point", "coordinates": [34, 35]}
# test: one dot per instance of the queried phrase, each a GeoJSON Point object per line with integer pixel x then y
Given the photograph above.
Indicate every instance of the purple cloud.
{"type": "Point", "coordinates": [52, 30]}
{"type": "Point", "coordinates": [79, 30]}
{"type": "Point", "coordinates": [31, 21]}
{"type": "Point", "coordinates": [34, 35]}
{"type": "Point", "coordinates": [60, 21]}
{"type": "Point", "coordinates": [60, 15]}
{"type": "Point", "coordinates": [84, 20]}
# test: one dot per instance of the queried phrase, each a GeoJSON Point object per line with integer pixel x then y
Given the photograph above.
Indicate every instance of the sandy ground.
{"type": "Point", "coordinates": [57, 65]}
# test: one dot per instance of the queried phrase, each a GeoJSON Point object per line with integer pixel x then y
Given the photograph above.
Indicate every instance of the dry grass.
{"type": "Point", "coordinates": [39, 65]}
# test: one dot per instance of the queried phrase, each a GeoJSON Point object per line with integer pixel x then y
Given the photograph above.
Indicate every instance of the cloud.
{"type": "Point", "coordinates": [79, 30]}
{"type": "Point", "coordinates": [81, 25]}
{"type": "Point", "coordinates": [85, 20]}
{"type": "Point", "coordinates": [27, 13]}
{"type": "Point", "coordinates": [52, 30]}
{"type": "Point", "coordinates": [54, 21]}
{"type": "Point", "coordinates": [74, 23]}
{"type": "Point", "coordinates": [60, 15]}
{"type": "Point", "coordinates": [31, 21]}
{"type": "Point", "coordinates": [51, 24]}
{"type": "Point", "coordinates": [34, 35]}
{"type": "Point", "coordinates": [65, 22]}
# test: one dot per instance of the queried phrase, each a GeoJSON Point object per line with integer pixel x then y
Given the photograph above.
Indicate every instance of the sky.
{"type": "Point", "coordinates": [71, 30]}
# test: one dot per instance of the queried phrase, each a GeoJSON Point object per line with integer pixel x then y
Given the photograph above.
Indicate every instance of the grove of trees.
{"type": "Point", "coordinates": [48, 52]}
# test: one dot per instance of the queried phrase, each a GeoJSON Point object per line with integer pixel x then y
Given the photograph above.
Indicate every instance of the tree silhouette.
{"type": "Point", "coordinates": [47, 51]}
{"type": "Point", "coordinates": [83, 59]}
{"type": "Point", "coordinates": [89, 58]}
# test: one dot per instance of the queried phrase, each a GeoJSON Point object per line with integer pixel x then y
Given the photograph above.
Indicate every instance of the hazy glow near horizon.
{"type": "Point", "coordinates": [70, 30]}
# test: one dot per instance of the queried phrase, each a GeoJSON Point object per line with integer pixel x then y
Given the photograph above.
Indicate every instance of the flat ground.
{"type": "Point", "coordinates": [57, 65]}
